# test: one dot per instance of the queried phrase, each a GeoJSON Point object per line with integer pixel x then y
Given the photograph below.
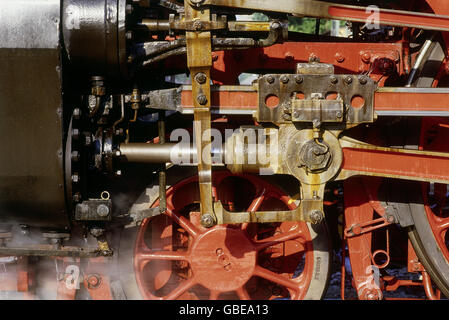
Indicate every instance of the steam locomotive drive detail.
{"type": "Point", "coordinates": [224, 150]}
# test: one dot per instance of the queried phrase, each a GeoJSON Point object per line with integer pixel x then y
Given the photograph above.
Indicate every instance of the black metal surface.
{"type": "Point", "coordinates": [31, 147]}
{"type": "Point", "coordinates": [94, 210]}
{"type": "Point", "coordinates": [94, 35]}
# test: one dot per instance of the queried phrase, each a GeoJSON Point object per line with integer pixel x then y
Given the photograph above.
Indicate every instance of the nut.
{"type": "Point", "coordinates": [315, 157]}
{"type": "Point", "coordinates": [348, 80]}
{"type": "Point", "coordinates": [299, 79]}
{"type": "Point", "coordinates": [200, 78]}
{"type": "Point", "coordinates": [363, 80]}
{"type": "Point", "coordinates": [102, 210]}
{"type": "Point", "coordinates": [270, 79]}
{"type": "Point", "coordinates": [284, 79]}
{"type": "Point", "coordinates": [207, 220]}
{"type": "Point", "coordinates": [201, 99]}
{"type": "Point", "coordinates": [316, 216]}
{"type": "Point", "coordinates": [334, 79]}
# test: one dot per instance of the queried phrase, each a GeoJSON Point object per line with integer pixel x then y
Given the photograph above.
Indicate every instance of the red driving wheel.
{"type": "Point", "coordinates": [176, 258]}
{"type": "Point", "coordinates": [434, 137]}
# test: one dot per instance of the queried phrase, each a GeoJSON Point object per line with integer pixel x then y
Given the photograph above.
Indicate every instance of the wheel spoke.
{"type": "Point", "coordinates": [144, 256]}
{"type": "Point", "coordinates": [183, 287]}
{"type": "Point", "coordinates": [184, 223]}
{"type": "Point", "coordinates": [276, 278]}
{"type": "Point", "coordinates": [162, 255]}
{"type": "Point", "coordinates": [279, 238]}
{"type": "Point", "coordinates": [243, 294]}
{"type": "Point", "coordinates": [257, 202]}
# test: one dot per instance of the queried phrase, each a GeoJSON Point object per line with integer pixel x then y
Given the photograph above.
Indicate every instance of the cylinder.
{"type": "Point", "coordinates": [31, 125]}
{"type": "Point", "coordinates": [94, 36]}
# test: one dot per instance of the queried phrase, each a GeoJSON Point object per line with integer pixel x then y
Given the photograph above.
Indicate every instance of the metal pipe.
{"type": "Point", "coordinates": [162, 170]}
{"type": "Point", "coordinates": [419, 62]}
{"type": "Point", "coordinates": [156, 153]}
{"type": "Point", "coordinates": [155, 24]}
{"type": "Point", "coordinates": [175, 153]}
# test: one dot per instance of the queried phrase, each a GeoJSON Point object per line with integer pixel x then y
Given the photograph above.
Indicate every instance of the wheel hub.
{"type": "Point", "coordinates": [223, 259]}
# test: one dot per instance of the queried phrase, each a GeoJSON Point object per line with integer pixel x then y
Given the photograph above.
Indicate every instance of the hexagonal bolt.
{"type": "Point", "coordinates": [75, 178]}
{"type": "Point", "coordinates": [270, 79]}
{"type": "Point", "coordinates": [333, 79]}
{"type": "Point", "coordinates": [366, 57]}
{"type": "Point", "coordinates": [75, 134]}
{"type": "Point", "coordinates": [339, 57]}
{"type": "Point", "coordinates": [76, 113]}
{"type": "Point", "coordinates": [207, 220]}
{"type": "Point", "coordinates": [299, 79]}
{"type": "Point", "coordinates": [103, 210]}
{"type": "Point", "coordinates": [348, 80]}
{"type": "Point", "coordinates": [363, 80]}
{"type": "Point", "coordinates": [316, 216]}
{"type": "Point", "coordinates": [284, 79]}
{"type": "Point", "coordinates": [201, 99]}
{"type": "Point", "coordinates": [75, 156]}
{"type": "Point", "coordinates": [201, 78]}
{"type": "Point", "coordinates": [198, 25]}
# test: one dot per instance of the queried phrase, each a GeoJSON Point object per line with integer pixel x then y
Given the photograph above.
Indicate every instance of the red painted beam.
{"type": "Point", "coordinates": [387, 101]}
{"type": "Point", "coordinates": [401, 164]}
{"type": "Point", "coordinates": [391, 17]}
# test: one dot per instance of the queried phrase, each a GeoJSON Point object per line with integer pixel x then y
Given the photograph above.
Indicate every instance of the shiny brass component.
{"type": "Point", "coordinates": [353, 102]}
{"type": "Point", "coordinates": [135, 99]}
{"type": "Point", "coordinates": [98, 88]}
{"type": "Point", "coordinates": [198, 25]}
{"type": "Point", "coordinates": [312, 161]}
{"type": "Point", "coordinates": [300, 159]}
{"type": "Point", "coordinates": [249, 26]}
{"type": "Point", "coordinates": [317, 109]}
{"type": "Point", "coordinates": [199, 61]}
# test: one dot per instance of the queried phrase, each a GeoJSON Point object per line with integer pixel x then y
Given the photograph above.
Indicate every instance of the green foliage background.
{"type": "Point", "coordinates": [304, 25]}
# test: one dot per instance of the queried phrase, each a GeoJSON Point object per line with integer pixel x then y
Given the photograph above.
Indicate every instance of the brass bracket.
{"type": "Point", "coordinates": [308, 210]}
{"type": "Point", "coordinates": [198, 24]}
{"type": "Point", "coordinates": [199, 60]}
{"type": "Point", "coordinates": [316, 95]}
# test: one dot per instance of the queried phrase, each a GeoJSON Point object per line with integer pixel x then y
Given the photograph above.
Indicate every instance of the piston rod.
{"type": "Point", "coordinates": [176, 153]}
